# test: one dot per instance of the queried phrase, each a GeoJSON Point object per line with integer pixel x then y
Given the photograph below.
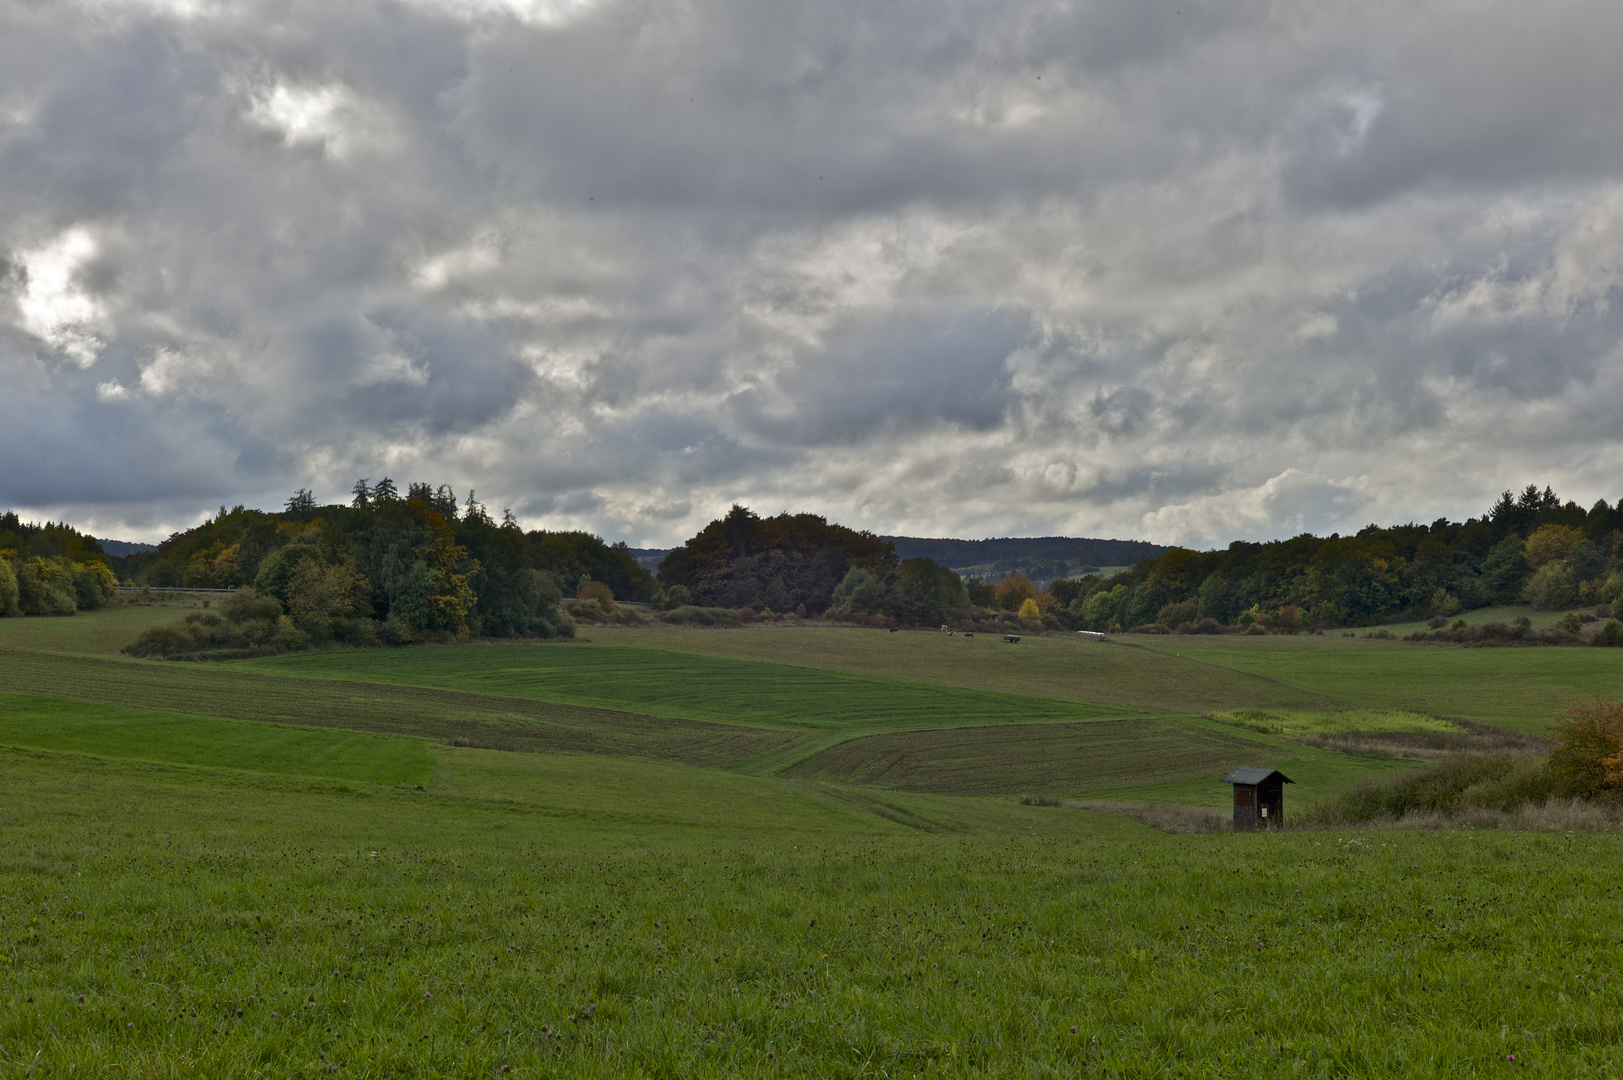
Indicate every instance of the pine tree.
{"type": "Point", "coordinates": [474, 510]}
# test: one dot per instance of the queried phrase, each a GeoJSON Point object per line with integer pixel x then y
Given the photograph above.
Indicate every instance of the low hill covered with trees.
{"type": "Point", "coordinates": [1040, 558]}
{"type": "Point", "coordinates": [1532, 548]}
{"type": "Point", "coordinates": [785, 563]}
{"type": "Point", "coordinates": [388, 568]}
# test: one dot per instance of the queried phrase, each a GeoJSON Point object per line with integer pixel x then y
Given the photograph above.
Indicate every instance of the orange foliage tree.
{"type": "Point", "coordinates": [1587, 761]}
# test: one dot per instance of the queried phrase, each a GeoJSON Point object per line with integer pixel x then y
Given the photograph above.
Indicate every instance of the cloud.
{"type": "Point", "coordinates": [1188, 272]}
{"type": "Point", "coordinates": [54, 306]}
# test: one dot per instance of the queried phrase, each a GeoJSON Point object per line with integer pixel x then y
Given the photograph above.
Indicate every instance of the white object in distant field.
{"type": "Point", "coordinates": [1091, 634]}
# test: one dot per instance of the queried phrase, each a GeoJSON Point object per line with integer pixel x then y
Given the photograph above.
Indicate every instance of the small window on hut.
{"type": "Point", "coordinates": [1242, 796]}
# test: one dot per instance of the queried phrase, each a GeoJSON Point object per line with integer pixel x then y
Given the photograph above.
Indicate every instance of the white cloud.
{"type": "Point", "coordinates": [329, 116]}
{"type": "Point", "coordinates": [1292, 502]}
{"type": "Point", "coordinates": [55, 305]}
{"type": "Point", "coordinates": [544, 13]}
{"type": "Point", "coordinates": [172, 371]}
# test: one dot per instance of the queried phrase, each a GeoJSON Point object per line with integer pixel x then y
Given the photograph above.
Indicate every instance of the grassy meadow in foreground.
{"type": "Point", "coordinates": [161, 921]}
{"type": "Point", "coordinates": [787, 851]}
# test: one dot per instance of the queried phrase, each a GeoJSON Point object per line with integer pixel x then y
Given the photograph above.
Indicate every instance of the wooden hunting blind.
{"type": "Point", "coordinates": [1259, 798]}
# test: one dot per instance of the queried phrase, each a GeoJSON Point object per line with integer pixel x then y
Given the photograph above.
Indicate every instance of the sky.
{"type": "Point", "coordinates": [1186, 271]}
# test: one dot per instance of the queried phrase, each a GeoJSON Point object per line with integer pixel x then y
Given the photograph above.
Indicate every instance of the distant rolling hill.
{"type": "Point", "coordinates": [118, 549]}
{"type": "Point", "coordinates": [1041, 558]}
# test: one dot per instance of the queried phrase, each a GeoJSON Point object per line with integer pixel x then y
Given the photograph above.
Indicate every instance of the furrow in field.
{"type": "Point", "coordinates": [1058, 759]}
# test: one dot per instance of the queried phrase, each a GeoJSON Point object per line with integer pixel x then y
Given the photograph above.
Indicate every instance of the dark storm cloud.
{"type": "Point", "coordinates": [1189, 270]}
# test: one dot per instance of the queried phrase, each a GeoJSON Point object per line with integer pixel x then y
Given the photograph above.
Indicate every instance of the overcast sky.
{"type": "Point", "coordinates": [1185, 271]}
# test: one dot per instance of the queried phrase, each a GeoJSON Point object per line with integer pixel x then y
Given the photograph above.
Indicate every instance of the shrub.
{"type": "Point", "coordinates": [1177, 614]}
{"type": "Point", "coordinates": [601, 593]}
{"type": "Point", "coordinates": [1551, 586]}
{"type": "Point", "coordinates": [689, 615]}
{"type": "Point", "coordinates": [1611, 634]}
{"type": "Point", "coordinates": [45, 587]}
{"type": "Point", "coordinates": [93, 585]}
{"type": "Point", "coordinates": [1013, 591]}
{"type": "Point", "coordinates": [674, 597]}
{"type": "Point", "coordinates": [1029, 608]}
{"type": "Point", "coordinates": [1587, 761]}
{"type": "Point", "coordinates": [247, 625]}
{"type": "Point", "coordinates": [1457, 783]}
{"type": "Point", "coordinates": [8, 589]}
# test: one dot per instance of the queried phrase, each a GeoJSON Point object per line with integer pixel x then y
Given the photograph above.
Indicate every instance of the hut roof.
{"type": "Point", "coordinates": [1255, 776]}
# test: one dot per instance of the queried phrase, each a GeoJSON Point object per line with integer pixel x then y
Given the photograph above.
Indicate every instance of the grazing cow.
{"type": "Point", "coordinates": [968, 634]}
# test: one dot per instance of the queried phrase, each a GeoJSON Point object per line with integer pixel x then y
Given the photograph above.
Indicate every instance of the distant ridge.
{"type": "Point", "coordinates": [1041, 558]}
{"type": "Point", "coordinates": [118, 549]}
{"type": "Point", "coordinates": [650, 558]}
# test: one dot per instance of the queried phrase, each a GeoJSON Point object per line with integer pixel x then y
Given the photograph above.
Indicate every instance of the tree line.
{"type": "Point", "coordinates": [420, 565]}
{"type": "Point", "coordinates": [801, 564]}
{"type": "Point", "coordinates": [388, 568]}
{"type": "Point", "coordinates": [51, 569]}
{"type": "Point", "coordinates": [1531, 548]}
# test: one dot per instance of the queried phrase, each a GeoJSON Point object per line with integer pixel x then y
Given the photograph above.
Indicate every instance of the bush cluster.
{"type": "Point", "coordinates": [247, 624]}
{"type": "Point", "coordinates": [1584, 764]}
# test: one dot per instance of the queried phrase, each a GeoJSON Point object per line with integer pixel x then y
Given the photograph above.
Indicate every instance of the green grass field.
{"type": "Point", "coordinates": [683, 685]}
{"type": "Point", "coordinates": [1517, 688]}
{"type": "Point", "coordinates": [1121, 671]}
{"type": "Point", "coordinates": [789, 851]}
{"type": "Point", "coordinates": [73, 726]}
{"type": "Point", "coordinates": [160, 920]}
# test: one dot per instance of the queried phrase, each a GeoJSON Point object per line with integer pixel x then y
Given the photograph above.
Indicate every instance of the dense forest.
{"type": "Point", "coordinates": [388, 568]}
{"type": "Point", "coordinates": [801, 564]}
{"type": "Point", "coordinates": [51, 569]}
{"type": "Point", "coordinates": [785, 563]}
{"type": "Point", "coordinates": [1532, 548]}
